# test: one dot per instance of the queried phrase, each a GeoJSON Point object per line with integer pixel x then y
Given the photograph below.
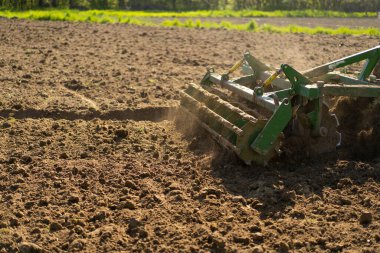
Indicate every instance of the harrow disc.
{"type": "Point", "coordinates": [300, 143]}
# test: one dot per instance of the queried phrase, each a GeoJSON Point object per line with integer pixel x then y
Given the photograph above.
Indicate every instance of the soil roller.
{"type": "Point", "coordinates": [268, 112]}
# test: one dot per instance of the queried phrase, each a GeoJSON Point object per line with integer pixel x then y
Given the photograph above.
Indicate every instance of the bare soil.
{"type": "Point", "coordinates": [91, 161]}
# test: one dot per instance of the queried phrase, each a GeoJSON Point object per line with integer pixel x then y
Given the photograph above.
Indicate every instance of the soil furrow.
{"type": "Point", "coordinates": [154, 114]}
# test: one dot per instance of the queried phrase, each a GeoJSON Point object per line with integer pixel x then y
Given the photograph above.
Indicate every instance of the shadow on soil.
{"type": "Point", "coordinates": [274, 190]}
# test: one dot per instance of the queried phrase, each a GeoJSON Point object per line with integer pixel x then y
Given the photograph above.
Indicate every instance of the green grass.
{"type": "Point", "coordinates": [201, 14]}
{"type": "Point", "coordinates": [250, 13]}
{"type": "Point", "coordinates": [222, 13]}
{"type": "Point", "coordinates": [253, 26]}
{"type": "Point", "coordinates": [142, 18]}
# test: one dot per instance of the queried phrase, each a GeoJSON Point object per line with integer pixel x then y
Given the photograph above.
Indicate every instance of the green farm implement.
{"type": "Point", "coordinates": [269, 111]}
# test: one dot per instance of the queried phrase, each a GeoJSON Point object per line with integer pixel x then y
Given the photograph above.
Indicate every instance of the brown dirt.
{"type": "Point", "coordinates": [89, 163]}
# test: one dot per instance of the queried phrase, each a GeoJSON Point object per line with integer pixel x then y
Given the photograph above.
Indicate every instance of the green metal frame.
{"type": "Point", "coordinates": [275, 125]}
{"type": "Point", "coordinates": [371, 56]}
{"type": "Point", "coordinates": [257, 139]}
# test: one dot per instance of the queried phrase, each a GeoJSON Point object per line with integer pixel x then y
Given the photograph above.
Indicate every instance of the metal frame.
{"type": "Point", "coordinates": [258, 140]}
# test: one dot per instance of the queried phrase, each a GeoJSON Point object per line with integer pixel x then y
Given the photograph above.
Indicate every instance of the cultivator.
{"type": "Point", "coordinates": [268, 111]}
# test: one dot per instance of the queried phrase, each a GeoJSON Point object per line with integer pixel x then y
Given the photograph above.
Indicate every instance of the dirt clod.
{"type": "Point", "coordinates": [74, 84]}
{"type": "Point", "coordinates": [283, 247]}
{"type": "Point", "coordinates": [241, 239]}
{"type": "Point", "coordinates": [27, 76]}
{"type": "Point", "coordinates": [258, 249]}
{"type": "Point", "coordinates": [28, 247]}
{"type": "Point", "coordinates": [365, 218]}
{"type": "Point", "coordinates": [131, 185]}
{"type": "Point", "coordinates": [99, 216]}
{"type": "Point", "coordinates": [73, 199]}
{"type": "Point", "coordinates": [6, 125]}
{"type": "Point", "coordinates": [121, 133]}
{"type": "Point", "coordinates": [128, 204]}
{"type": "Point", "coordinates": [257, 237]}
{"type": "Point", "coordinates": [13, 222]}
{"type": "Point", "coordinates": [26, 159]}
{"type": "Point", "coordinates": [64, 155]}
{"type": "Point", "coordinates": [77, 245]}
{"type": "Point", "coordinates": [55, 226]}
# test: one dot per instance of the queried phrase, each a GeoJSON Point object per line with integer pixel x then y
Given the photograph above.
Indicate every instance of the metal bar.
{"type": "Point", "coordinates": [335, 77]}
{"type": "Point", "coordinates": [376, 70]}
{"type": "Point", "coordinates": [368, 67]}
{"type": "Point", "coordinates": [273, 128]}
{"type": "Point", "coordinates": [268, 82]}
{"type": "Point", "coordinates": [234, 102]}
{"type": "Point", "coordinates": [235, 67]}
{"type": "Point", "coordinates": [255, 64]}
{"type": "Point", "coordinates": [245, 92]}
{"type": "Point", "coordinates": [205, 110]}
{"type": "Point", "coordinates": [352, 90]}
{"type": "Point", "coordinates": [217, 137]}
{"type": "Point", "coordinates": [310, 91]}
{"type": "Point", "coordinates": [281, 94]}
{"type": "Point", "coordinates": [295, 78]}
{"type": "Point", "coordinates": [245, 80]}
{"type": "Point", "coordinates": [325, 68]}
{"type": "Point", "coordinates": [279, 83]}
{"type": "Point", "coordinates": [209, 95]}
{"type": "Point", "coordinates": [262, 72]}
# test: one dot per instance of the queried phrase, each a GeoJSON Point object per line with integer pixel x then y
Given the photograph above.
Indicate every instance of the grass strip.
{"type": "Point", "coordinates": [122, 17]}
{"type": "Point", "coordinates": [243, 13]}
{"type": "Point", "coordinates": [253, 26]}
{"type": "Point", "coordinates": [221, 13]}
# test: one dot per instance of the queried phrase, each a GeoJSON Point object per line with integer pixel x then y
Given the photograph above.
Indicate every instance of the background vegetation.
{"type": "Point", "coordinates": [188, 12]}
{"type": "Point", "coordinates": [138, 18]}
{"type": "Point", "coordinates": [186, 5]}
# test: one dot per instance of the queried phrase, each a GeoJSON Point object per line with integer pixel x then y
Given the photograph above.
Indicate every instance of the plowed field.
{"type": "Point", "coordinates": [91, 160]}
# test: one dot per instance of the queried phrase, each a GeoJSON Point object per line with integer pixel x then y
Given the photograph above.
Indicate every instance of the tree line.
{"type": "Point", "coordinates": [182, 5]}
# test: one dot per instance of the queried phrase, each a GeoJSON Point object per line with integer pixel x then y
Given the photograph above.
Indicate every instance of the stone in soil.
{"type": "Point", "coordinates": [28, 247]}
{"type": "Point", "coordinates": [365, 218]}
